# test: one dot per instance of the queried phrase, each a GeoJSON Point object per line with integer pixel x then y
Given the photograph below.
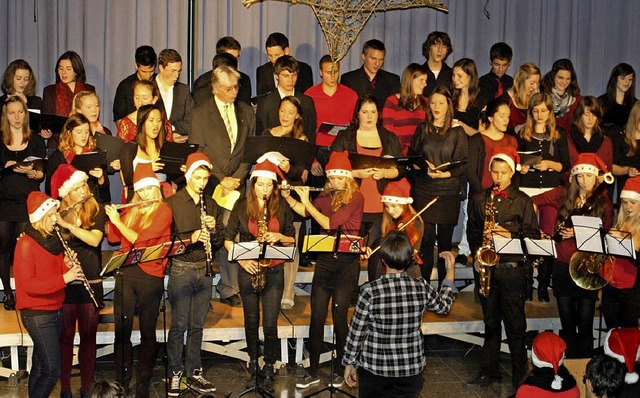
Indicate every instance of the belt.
{"type": "Point", "coordinates": [507, 265]}
{"type": "Point", "coordinates": [190, 265]}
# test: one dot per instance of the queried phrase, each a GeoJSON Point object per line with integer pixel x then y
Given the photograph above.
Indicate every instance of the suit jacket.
{"type": "Point", "coordinates": [181, 108]}
{"type": "Point", "coordinates": [267, 113]}
{"type": "Point", "coordinates": [444, 79]}
{"type": "Point", "coordinates": [265, 83]}
{"type": "Point", "coordinates": [123, 101]}
{"type": "Point", "coordinates": [202, 89]}
{"type": "Point", "coordinates": [208, 130]}
{"type": "Point", "coordinates": [387, 84]}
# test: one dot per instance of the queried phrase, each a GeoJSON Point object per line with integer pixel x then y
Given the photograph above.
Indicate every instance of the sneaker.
{"type": "Point", "coordinates": [174, 384]}
{"type": "Point", "coordinates": [233, 301]}
{"type": "Point", "coordinates": [337, 382]}
{"type": "Point", "coordinates": [307, 380]}
{"type": "Point", "coordinates": [198, 383]}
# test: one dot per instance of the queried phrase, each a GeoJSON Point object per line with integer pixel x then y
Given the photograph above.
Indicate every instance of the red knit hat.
{"type": "Point", "coordinates": [338, 165]}
{"type": "Point", "coordinates": [623, 344]}
{"type": "Point", "coordinates": [548, 352]}
{"type": "Point", "coordinates": [591, 163]}
{"type": "Point", "coordinates": [509, 154]}
{"type": "Point", "coordinates": [194, 161]}
{"type": "Point", "coordinates": [398, 192]}
{"type": "Point", "coordinates": [64, 179]}
{"type": "Point", "coordinates": [631, 189]}
{"type": "Point", "coordinates": [143, 177]}
{"type": "Point", "coordinates": [39, 204]}
{"type": "Point", "coordinates": [267, 168]}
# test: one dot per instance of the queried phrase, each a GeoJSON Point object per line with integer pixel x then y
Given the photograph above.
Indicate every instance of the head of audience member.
{"type": "Point", "coordinates": [548, 351]}
{"type": "Point", "coordinates": [503, 164]}
{"type": "Point", "coordinates": [88, 104]}
{"type": "Point", "coordinates": [623, 344]}
{"type": "Point", "coordinates": [290, 115]}
{"type": "Point", "coordinates": [224, 84]}
{"type": "Point", "coordinates": [197, 171]}
{"type": "Point", "coordinates": [76, 135]}
{"type": "Point", "coordinates": [146, 60]}
{"type": "Point", "coordinates": [226, 59]}
{"type": "Point", "coordinates": [69, 68]}
{"type": "Point", "coordinates": [169, 66]}
{"type": "Point", "coordinates": [412, 83]}
{"type": "Point", "coordinates": [622, 80]}
{"type": "Point", "coordinates": [229, 45]}
{"type": "Point", "coordinates": [526, 82]}
{"type": "Point", "coordinates": [144, 93]}
{"type": "Point", "coordinates": [329, 71]}
{"type": "Point", "coordinates": [588, 116]}
{"type": "Point", "coordinates": [286, 71]}
{"type": "Point", "coordinates": [107, 389]}
{"type": "Point", "coordinates": [561, 78]}
{"type": "Point", "coordinates": [604, 377]}
{"type": "Point", "coordinates": [465, 77]}
{"type": "Point", "coordinates": [15, 117]}
{"type": "Point", "coordinates": [500, 56]}
{"type": "Point", "coordinates": [440, 114]}
{"type": "Point", "coordinates": [19, 79]}
{"type": "Point", "coordinates": [437, 47]}
{"type": "Point", "coordinates": [366, 113]}
{"type": "Point", "coordinates": [495, 116]}
{"type": "Point", "coordinates": [150, 127]}
{"type": "Point", "coordinates": [277, 45]}
{"type": "Point", "coordinates": [540, 118]}
{"type": "Point", "coordinates": [373, 52]}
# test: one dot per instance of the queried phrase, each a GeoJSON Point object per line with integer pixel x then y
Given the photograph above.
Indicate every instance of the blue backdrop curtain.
{"type": "Point", "coordinates": [595, 34]}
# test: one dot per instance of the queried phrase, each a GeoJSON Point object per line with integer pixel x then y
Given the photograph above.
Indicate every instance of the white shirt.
{"type": "Point", "coordinates": [166, 92]}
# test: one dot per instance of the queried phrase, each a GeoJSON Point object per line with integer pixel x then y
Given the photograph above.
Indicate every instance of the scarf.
{"type": "Point", "coordinates": [582, 145]}
{"type": "Point", "coordinates": [544, 137]}
{"type": "Point", "coordinates": [50, 243]}
{"type": "Point", "coordinates": [64, 97]}
{"type": "Point", "coordinates": [561, 102]}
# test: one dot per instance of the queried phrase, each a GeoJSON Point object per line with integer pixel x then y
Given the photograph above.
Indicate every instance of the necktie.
{"type": "Point", "coordinates": [227, 123]}
{"type": "Point", "coordinates": [500, 89]}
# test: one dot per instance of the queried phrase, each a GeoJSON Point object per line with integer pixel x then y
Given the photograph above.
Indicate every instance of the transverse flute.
{"type": "Point", "coordinates": [127, 205]}
{"type": "Point", "coordinates": [311, 189]}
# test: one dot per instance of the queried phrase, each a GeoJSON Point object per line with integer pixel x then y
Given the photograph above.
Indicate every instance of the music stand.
{"type": "Point", "coordinates": [622, 246]}
{"type": "Point", "coordinates": [589, 234]}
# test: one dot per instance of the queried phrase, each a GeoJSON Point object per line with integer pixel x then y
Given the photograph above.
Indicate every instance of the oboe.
{"type": "Point", "coordinates": [207, 246]}
{"type": "Point", "coordinates": [69, 253]}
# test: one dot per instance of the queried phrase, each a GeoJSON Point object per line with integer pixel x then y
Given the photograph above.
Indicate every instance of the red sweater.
{"type": "Point", "coordinates": [38, 274]}
{"type": "Point", "coordinates": [400, 121]}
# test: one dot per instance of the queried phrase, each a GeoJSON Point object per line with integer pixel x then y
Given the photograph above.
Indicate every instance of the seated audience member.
{"type": "Point", "coordinates": [276, 46]}
{"type": "Point", "coordinates": [106, 389]}
{"type": "Point", "coordinates": [548, 377]}
{"type": "Point", "coordinates": [370, 78]}
{"type": "Point", "coordinates": [436, 49]}
{"type": "Point", "coordinates": [145, 64]}
{"type": "Point", "coordinates": [202, 86]}
{"type": "Point", "coordinates": [604, 377]}
{"type": "Point", "coordinates": [403, 112]}
{"type": "Point", "coordinates": [620, 96]}
{"type": "Point", "coordinates": [88, 103]}
{"type": "Point", "coordinates": [144, 93]}
{"type": "Point", "coordinates": [19, 80]}
{"type": "Point", "coordinates": [496, 82]}
{"type": "Point", "coordinates": [286, 71]}
{"type": "Point", "coordinates": [175, 99]}
{"type": "Point", "coordinates": [623, 345]}
{"type": "Point", "coordinates": [561, 84]}
{"type": "Point", "coordinates": [526, 82]}
{"type": "Point", "coordinates": [464, 92]}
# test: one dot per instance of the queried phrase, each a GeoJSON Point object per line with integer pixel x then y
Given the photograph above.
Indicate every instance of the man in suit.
{"type": "Point", "coordinates": [370, 78]}
{"type": "Point", "coordinates": [277, 45]}
{"type": "Point", "coordinates": [220, 126]}
{"type": "Point", "coordinates": [175, 99]}
{"type": "Point", "coordinates": [286, 70]}
{"type": "Point", "coordinates": [202, 85]}
{"type": "Point", "coordinates": [436, 49]}
{"type": "Point", "coordinates": [145, 64]}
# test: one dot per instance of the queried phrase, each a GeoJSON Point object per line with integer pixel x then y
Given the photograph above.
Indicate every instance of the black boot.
{"type": "Point", "coordinates": [544, 279]}
{"type": "Point", "coordinates": [9, 301]}
{"type": "Point", "coordinates": [254, 374]}
{"type": "Point", "coordinates": [269, 377]}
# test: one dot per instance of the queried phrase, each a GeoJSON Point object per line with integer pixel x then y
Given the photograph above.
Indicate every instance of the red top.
{"type": "Point", "coordinates": [528, 391]}
{"type": "Point", "coordinates": [369, 186]}
{"type": "Point", "coordinates": [605, 152]}
{"type": "Point", "coordinates": [349, 216]}
{"type": "Point", "coordinates": [517, 116]}
{"type": "Point", "coordinates": [38, 274]}
{"type": "Point", "coordinates": [624, 273]}
{"type": "Point", "coordinates": [401, 122]}
{"type": "Point", "coordinates": [565, 120]}
{"type": "Point", "coordinates": [127, 129]}
{"type": "Point", "coordinates": [336, 109]}
{"type": "Point", "coordinates": [489, 147]}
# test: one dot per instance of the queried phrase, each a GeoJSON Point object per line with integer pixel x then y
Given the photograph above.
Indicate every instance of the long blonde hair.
{"type": "Point", "coordinates": [134, 219]}
{"type": "Point", "coordinates": [87, 212]}
{"type": "Point", "coordinates": [342, 198]}
{"type": "Point", "coordinates": [66, 137]}
{"type": "Point", "coordinates": [623, 218]}
{"type": "Point", "coordinates": [529, 126]}
{"type": "Point", "coordinates": [630, 130]}
{"type": "Point", "coordinates": [520, 95]}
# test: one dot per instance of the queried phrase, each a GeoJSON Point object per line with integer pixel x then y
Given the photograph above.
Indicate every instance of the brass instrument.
{"type": "Point", "coordinates": [133, 204]}
{"type": "Point", "coordinates": [259, 279]}
{"type": "Point", "coordinates": [207, 246]}
{"type": "Point", "coordinates": [486, 255]}
{"type": "Point", "coordinates": [591, 271]}
{"type": "Point", "coordinates": [69, 254]}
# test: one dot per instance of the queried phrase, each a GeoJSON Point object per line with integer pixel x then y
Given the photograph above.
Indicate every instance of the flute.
{"type": "Point", "coordinates": [311, 189]}
{"type": "Point", "coordinates": [127, 205]}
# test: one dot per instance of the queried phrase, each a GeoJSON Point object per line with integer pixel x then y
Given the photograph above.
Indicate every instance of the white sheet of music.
{"type": "Point", "coordinates": [622, 247]}
{"type": "Point", "coordinates": [541, 247]}
{"type": "Point", "coordinates": [587, 233]}
{"type": "Point", "coordinates": [244, 251]}
{"type": "Point", "coordinates": [507, 245]}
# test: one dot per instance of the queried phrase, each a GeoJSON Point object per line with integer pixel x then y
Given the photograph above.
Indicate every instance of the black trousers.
{"type": "Point", "coordinates": [374, 386]}
{"type": "Point", "coordinates": [621, 307]}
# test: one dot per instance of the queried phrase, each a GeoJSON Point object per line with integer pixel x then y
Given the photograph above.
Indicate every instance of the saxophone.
{"type": "Point", "coordinates": [259, 279]}
{"type": "Point", "coordinates": [486, 255]}
{"type": "Point", "coordinates": [207, 246]}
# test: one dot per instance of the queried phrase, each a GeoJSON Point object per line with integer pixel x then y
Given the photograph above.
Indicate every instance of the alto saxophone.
{"type": "Point", "coordinates": [207, 246]}
{"type": "Point", "coordinates": [486, 255]}
{"type": "Point", "coordinates": [259, 279]}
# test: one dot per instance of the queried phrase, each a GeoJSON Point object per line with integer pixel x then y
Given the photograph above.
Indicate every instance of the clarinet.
{"type": "Point", "coordinates": [69, 253]}
{"type": "Point", "coordinates": [207, 246]}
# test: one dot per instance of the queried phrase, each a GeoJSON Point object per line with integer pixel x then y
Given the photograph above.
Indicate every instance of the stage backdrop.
{"type": "Point", "coordinates": [595, 34]}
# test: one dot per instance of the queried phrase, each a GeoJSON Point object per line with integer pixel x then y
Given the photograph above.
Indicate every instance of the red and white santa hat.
{"type": "Point", "coordinates": [194, 161]}
{"type": "Point", "coordinates": [338, 165]}
{"type": "Point", "coordinates": [623, 344]}
{"type": "Point", "coordinates": [39, 204]}
{"type": "Point", "coordinates": [548, 352]}
{"type": "Point", "coordinates": [509, 154]}
{"type": "Point", "coordinates": [591, 163]}
{"type": "Point", "coordinates": [631, 189]}
{"type": "Point", "coordinates": [64, 179]}
{"type": "Point", "coordinates": [267, 167]}
{"type": "Point", "coordinates": [397, 192]}
{"type": "Point", "coordinates": [143, 176]}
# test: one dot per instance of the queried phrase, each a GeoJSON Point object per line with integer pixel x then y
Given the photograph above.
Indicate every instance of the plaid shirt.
{"type": "Point", "coordinates": [384, 336]}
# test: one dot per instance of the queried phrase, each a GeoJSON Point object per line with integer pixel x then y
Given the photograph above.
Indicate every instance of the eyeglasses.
{"type": "Point", "coordinates": [230, 89]}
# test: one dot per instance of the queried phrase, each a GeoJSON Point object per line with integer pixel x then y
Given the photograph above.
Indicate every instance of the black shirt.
{"type": "Point", "coordinates": [547, 178]}
{"type": "Point", "coordinates": [489, 87]}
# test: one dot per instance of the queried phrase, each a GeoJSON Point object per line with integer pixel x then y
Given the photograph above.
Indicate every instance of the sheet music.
{"type": "Point", "coordinates": [280, 252]}
{"type": "Point", "coordinates": [541, 247]}
{"type": "Point", "coordinates": [244, 251]}
{"type": "Point", "coordinates": [506, 245]}
{"type": "Point", "coordinates": [622, 247]}
{"type": "Point", "coordinates": [587, 233]}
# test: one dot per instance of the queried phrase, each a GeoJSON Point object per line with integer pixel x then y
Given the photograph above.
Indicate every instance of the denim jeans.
{"type": "Point", "coordinates": [189, 295]}
{"type": "Point", "coordinates": [44, 330]}
{"type": "Point", "coordinates": [270, 297]}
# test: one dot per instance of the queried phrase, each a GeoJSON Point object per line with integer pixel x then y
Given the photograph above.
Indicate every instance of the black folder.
{"type": "Point", "coordinates": [174, 155]}
{"type": "Point", "coordinates": [297, 151]}
{"type": "Point", "coordinates": [46, 121]}
{"type": "Point", "coordinates": [360, 161]}
{"type": "Point", "coordinates": [112, 145]}
{"type": "Point", "coordinates": [90, 160]}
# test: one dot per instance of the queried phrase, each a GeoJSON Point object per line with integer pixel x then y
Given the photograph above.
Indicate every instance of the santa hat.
{"type": "Point", "coordinates": [509, 155]}
{"type": "Point", "coordinates": [338, 165]}
{"type": "Point", "coordinates": [548, 352]}
{"type": "Point", "coordinates": [267, 167]}
{"type": "Point", "coordinates": [397, 192]}
{"type": "Point", "coordinates": [592, 164]}
{"type": "Point", "coordinates": [623, 344]}
{"type": "Point", "coordinates": [39, 204]}
{"type": "Point", "coordinates": [194, 161]}
{"type": "Point", "coordinates": [631, 189]}
{"type": "Point", "coordinates": [64, 179]}
{"type": "Point", "coordinates": [143, 177]}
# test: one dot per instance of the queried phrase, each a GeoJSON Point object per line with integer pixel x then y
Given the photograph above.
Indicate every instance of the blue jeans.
{"type": "Point", "coordinates": [189, 295]}
{"type": "Point", "coordinates": [44, 330]}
